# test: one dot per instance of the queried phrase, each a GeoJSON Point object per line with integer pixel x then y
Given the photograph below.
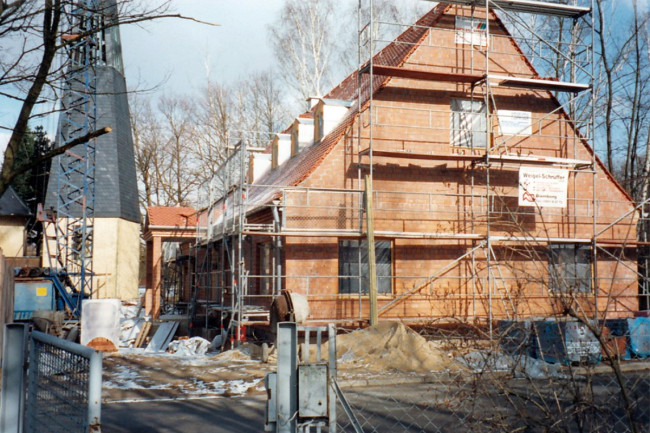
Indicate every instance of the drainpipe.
{"type": "Point", "coordinates": [277, 225]}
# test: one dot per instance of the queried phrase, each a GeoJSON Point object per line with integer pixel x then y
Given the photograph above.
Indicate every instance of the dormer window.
{"type": "Point", "coordinates": [280, 150]}
{"type": "Point", "coordinates": [327, 115]}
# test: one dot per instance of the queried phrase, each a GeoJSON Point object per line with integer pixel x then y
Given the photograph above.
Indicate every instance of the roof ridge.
{"type": "Point", "coordinates": [397, 52]}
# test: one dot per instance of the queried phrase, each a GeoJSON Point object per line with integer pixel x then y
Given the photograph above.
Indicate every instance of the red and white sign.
{"type": "Point", "coordinates": [543, 187]}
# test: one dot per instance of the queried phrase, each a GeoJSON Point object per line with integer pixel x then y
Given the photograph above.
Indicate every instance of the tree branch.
{"type": "Point", "coordinates": [5, 182]}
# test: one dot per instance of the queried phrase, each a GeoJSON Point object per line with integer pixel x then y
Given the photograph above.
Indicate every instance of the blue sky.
{"type": "Point", "coordinates": [182, 53]}
{"type": "Point", "coordinates": [176, 56]}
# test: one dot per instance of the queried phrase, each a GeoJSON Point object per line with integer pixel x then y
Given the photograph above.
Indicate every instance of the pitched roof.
{"type": "Point", "coordinates": [167, 216]}
{"type": "Point", "coordinates": [12, 205]}
{"type": "Point", "coordinates": [298, 168]}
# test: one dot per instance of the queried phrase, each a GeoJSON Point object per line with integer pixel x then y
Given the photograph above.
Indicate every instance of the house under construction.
{"type": "Point", "coordinates": [461, 151]}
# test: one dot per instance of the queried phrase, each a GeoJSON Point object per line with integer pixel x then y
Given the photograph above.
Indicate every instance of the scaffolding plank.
{"type": "Point", "coordinates": [529, 6]}
{"type": "Point", "coordinates": [415, 155]}
{"type": "Point", "coordinates": [540, 160]}
{"type": "Point", "coordinates": [419, 74]}
{"type": "Point", "coordinates": [538, 84]}
{"type": "Point", "coordinates": [521, 159]}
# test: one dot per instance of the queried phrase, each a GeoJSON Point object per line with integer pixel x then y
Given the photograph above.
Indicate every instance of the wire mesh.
{"type": "Point", "coordinates": [58, 390]}
{"type": "Point", "coordinates": [487, 388]}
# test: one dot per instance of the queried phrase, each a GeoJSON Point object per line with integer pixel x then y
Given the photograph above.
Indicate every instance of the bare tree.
{"type": "Point", "coordinates": [304, 42]}
{"type": "Point", "coordinates": [265, 113]}
{"type": "Point", "coordinates": [31, 42]}
{"type": "Point", "coordinates": [180, 179]}
{"type": "Point", "coordinates": [390, 19]}
{"type": "Point", "coordinates": [622, 115]}
{"type": "Point", "coordinates": [148, 156]}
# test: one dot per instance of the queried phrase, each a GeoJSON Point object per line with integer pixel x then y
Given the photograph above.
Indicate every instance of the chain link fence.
{"type": "Point", "coordinates": [483, 385]}
{"type": "Point", "coordinates": [64, 386]}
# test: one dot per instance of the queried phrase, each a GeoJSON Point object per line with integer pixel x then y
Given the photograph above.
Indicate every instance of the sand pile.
{"type": "Point", "coordinates": [391, 346]}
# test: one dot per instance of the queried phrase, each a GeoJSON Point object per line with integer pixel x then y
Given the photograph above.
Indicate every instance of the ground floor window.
{"type": "Point", "coordinates": [265, 267]}
{"type": "Point", "coordinates": [569, 267]}
{"type": "Point", "coordinates": [353, 266]}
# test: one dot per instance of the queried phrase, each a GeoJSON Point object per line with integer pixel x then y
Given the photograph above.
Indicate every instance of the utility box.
{"type": "Point", "coordinates": [313, 391]}
{"type": "Point", "coordinates": [33, 295]}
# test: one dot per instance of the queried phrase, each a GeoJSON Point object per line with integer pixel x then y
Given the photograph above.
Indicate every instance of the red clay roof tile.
{"type": "Point", "coordinates": [298, 168]}
{"type": "Point", "coordinates": [167, 216]}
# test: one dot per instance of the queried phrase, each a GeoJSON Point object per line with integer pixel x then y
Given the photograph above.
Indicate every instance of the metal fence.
{"type": "Point", "coordinates": [64, 382]}
{"type": "Point", "coordinates": [485, 389]}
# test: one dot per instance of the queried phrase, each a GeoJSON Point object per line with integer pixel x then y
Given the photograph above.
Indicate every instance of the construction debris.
{"type": "Point", "coordinates": [391, 346]}
{"type": "Point", "coordinates": [521, 366]}
{"type": "Point", "coordinates": [195, 346]}
{"type": "Point", "coordinates": [162, 337]}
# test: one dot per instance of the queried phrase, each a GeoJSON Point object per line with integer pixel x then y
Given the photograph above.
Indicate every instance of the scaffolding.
{"type": "Point", "coordinates": [75, 169]}
{"type": "Point", "coordinates": [568, 65]}
{"type": "Point", "coordinates": [244, 231]}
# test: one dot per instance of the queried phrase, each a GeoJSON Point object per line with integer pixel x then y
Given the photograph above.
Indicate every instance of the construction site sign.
{"type": "Point", "coordinates": [514, 122]}
{"type": "Point", "coordinates": [543, 187]}
{"type": "Point", "coordinates": [471, 31]}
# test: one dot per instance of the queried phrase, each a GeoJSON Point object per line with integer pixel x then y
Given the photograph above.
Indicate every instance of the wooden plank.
{"type": "Point", "coordinates": [372, 263]}
{"type": "Point", "coordinates": [414, 155]}
{"type": "Point", "coordinates": [419, 74]}
{"type": "Point", "coordinates": [142, 335]}
{"type": "Point", "coordinates": [6, 297]}
{"type": "Point", "coordinates": [529, 6]}
{"type": "Point", "coordinates": [162, 337]}
{"type": "Point", "coordinates": [538, 84]}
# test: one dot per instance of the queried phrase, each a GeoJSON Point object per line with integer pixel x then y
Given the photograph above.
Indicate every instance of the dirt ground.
{"type": "Point", "coordinates": [387, 354]}
{"type": "Point", "coordinates": [392, 349]}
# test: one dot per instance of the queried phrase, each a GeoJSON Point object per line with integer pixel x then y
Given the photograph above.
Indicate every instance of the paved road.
{"type": "Point", "coordinates": [445, 406]}
{"type": "Point", "coordinates": [213, 415]}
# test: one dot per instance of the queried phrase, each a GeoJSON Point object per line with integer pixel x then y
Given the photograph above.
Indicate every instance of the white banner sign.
{"type": "Point", "coordinates": [543, 187]}
{"type": "Point", "coordinates": [470, 31]}
{"type": "Point", "coordinates": [515, 122]}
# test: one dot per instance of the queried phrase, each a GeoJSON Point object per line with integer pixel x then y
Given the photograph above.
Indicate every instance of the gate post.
{"type": "Point", "coordinates": [287, 394]}
{"type": "Point", "coordinates": [95, 393]}
{"type": "Point", "coordinates": [12, 405]}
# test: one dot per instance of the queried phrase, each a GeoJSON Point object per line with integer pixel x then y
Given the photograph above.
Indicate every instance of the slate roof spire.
{"type": "Point", "coordinates": [116, 190]}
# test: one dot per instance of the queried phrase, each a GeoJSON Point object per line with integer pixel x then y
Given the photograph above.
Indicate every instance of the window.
{"type": "Point", "coordinates": [569, 268]}
{"type": "Point", "coordinates": [353, 266]}
{"type": "Point", "coordinates": [266, 268]}
{"type": "Point", "coordinates": [468, 123]}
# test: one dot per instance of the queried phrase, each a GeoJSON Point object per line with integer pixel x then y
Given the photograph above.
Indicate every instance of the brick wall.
{"type": "Point", "coordinates": [440, 197]}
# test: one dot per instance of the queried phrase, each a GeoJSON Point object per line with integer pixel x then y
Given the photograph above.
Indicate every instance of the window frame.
{"type": "Point", "coordinates": [353, 273]}
{"type": "Point", "coordinates": [570, 268]}
{"type": "Point", "coordinates": [464, 112]}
